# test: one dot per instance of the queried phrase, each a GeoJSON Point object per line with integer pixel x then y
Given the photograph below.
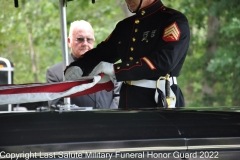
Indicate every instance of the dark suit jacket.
{"type": "Point", "coordinates": [100, 100]}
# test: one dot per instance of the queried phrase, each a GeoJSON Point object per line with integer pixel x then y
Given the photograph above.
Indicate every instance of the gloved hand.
{"type": "Point", "coordinates": [103, 67]}
{"type": "Point", "coordinates": [73, 73]}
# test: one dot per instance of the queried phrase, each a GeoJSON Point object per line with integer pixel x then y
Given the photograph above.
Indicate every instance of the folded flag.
{"type": "Point", "coordinates": [25, 93]}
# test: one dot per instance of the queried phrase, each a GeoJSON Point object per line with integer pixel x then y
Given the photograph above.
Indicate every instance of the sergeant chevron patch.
{"type": "Point", "coordinates": [171, 33]}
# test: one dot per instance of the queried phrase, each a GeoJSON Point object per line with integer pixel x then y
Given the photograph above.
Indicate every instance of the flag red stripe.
{"type": "Point", "coordinates": [108, 86]}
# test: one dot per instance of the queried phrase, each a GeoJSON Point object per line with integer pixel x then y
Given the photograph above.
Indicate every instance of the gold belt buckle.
{"type": "Point", "coordinates": [128, 82]}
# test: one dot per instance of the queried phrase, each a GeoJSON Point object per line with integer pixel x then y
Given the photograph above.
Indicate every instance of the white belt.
{"type": "Point", "coordinates": [161, 85]}
{"type": "Point", "coordinates": [150, 83]}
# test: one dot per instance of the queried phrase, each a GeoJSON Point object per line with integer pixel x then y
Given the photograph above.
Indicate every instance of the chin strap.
{"type": "Point", "coordinates": [137, 8]}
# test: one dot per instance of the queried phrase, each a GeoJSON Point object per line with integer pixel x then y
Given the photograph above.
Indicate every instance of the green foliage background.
{"type": "Point", "coordinates": [211, 73]}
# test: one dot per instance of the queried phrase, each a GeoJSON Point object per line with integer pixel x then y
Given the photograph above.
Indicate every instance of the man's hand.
{"type": "Point", "coordinates": [73, 73]}
{"type": "Point", "coordinates": [103, 67]}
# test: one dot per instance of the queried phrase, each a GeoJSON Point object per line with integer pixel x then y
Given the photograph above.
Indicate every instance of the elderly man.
{"type": "Point", "coordinates": [152, 46]}
{"type": "Point", "coordinates": [80, 40]}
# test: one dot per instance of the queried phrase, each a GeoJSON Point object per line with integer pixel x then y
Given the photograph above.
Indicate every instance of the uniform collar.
{"type": "Point", "coordinates": [155, 6]}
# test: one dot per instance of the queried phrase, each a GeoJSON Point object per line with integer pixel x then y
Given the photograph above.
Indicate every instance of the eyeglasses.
{"type": "Point", "coordinates": [81, 40]}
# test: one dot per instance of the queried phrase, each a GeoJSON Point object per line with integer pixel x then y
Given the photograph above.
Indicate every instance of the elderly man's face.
{"type": "Point", "coordinates": [81, 41]}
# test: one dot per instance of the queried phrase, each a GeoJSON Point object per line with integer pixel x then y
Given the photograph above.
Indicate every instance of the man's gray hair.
{"type": "Point", "coordinates": [79, 23]}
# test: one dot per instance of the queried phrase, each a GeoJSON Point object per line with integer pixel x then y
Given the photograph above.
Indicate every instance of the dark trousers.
{"type": "Point", "coordinates": [139, 97]}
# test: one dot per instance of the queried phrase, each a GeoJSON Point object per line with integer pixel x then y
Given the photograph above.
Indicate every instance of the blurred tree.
{"type": "Point", "coordinates": [30, 34]}
{"type": "Point", "coordinates": [210, 75]}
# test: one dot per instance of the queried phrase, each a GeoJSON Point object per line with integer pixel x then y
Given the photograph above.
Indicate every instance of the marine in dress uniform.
{"type": "Point", "coordinates": [151, 44]}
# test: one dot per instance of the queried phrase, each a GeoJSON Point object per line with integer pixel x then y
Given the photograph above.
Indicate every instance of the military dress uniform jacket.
{"type": "Point", "coordinates": [98, 100]}
{"type": "Point", "coordinates": [150, 44]}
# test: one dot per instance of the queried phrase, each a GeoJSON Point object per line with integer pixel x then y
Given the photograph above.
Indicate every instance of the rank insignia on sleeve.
{"type": "Point", "coordinates": [149, 63]}
{"type": "Point", "coordinates": [171, 33]}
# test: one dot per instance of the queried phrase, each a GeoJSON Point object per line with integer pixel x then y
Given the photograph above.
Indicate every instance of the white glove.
{"type": "Point", "coordinates": [103, 67]}
{"type": "Point", "coordinates": [73, 73]}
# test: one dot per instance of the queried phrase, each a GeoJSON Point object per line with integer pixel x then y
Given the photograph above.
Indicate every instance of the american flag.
{"type": "Point", "coordinates": [35, 92]}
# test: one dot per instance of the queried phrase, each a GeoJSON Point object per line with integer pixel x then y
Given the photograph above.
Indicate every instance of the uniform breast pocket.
{"type": "Point", "coordinates": [149, 40]}
{"type": "Point", "coordinates": [146, 47]}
